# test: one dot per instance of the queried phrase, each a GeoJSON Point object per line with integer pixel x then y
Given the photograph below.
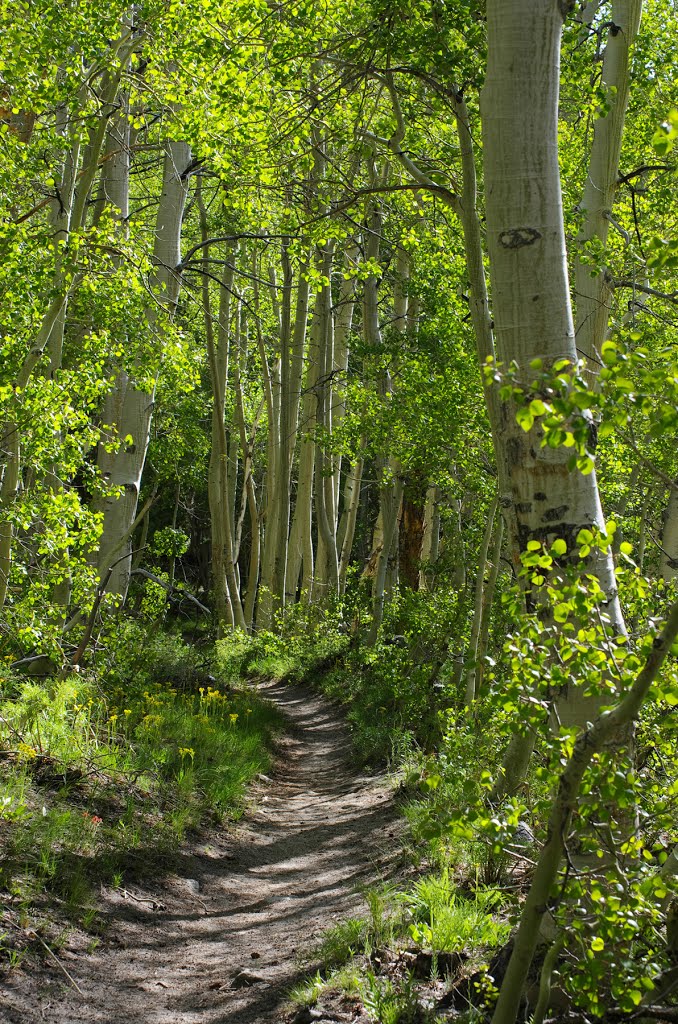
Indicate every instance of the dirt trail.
{"type": "Point", "coordinates": [264, 891]}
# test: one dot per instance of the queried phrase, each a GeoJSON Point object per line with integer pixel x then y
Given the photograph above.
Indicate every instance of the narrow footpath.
{"type": "Point", "coordinates": [224, 939]}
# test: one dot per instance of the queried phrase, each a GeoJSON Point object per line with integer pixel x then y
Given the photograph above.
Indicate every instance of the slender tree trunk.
{"type": "Point", "coordinates": [343, 321]}
{"type": "Point", "coordinates": [11, 453]}
{"type": "Point", "coordinates": [472, 672]}
{"type": "Point", "coordinates": [300, 552]}
{"type": "Point", "coordinates": [668, 567]}
{"type": "Point", "coordinates": [349, 519]}
{"type": "Point", "coordinates": [218, 472]}
{"type": "Point", "coordinates": [593, 291]}
{"type": "Point", "coordinates": [488, 600]}
{"type": "Point", "coordinates": [327, 560]}
{"type": "Point", "coordinates": [431, 538]}
{"type": "Point", "coordinates": [275, 547]}
{"type": "Point", "coordinates": [273, 379]}
{"type": "Point", "coordinates": [389, 471]}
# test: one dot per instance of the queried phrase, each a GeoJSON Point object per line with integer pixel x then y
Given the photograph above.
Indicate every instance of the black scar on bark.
{"type": "Point", "coordinates": [540, 496]}
{"type": "Point", "coordinates": [592, 439]}
{"type": "Point", "coordinates": [516, 238]}
{"type": "Point", "coordinates": [554, 514]}
{"type": "Point", "coordinates": [524, 507]}
{"type": "Point", "coordinates": [513, 451]}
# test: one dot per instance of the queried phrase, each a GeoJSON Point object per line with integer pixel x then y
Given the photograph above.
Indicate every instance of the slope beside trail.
{"type": "Point", "coordinates": [220, 941]}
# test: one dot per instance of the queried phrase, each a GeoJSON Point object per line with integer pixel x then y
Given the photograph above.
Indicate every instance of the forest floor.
{"type": "Point", "coordinates": [224, 938]}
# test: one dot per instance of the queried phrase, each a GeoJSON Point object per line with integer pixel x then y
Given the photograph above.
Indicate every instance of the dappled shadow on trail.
{"type": "Point", "coordinates": [222, 941]}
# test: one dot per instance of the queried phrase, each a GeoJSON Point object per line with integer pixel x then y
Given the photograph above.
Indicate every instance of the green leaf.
{"type": "Point", "coordinates": [525, 419]}
{"type": "Point", "coordinates": [597, 944]}
{"type": "Point", "coordinates": [559, 547]}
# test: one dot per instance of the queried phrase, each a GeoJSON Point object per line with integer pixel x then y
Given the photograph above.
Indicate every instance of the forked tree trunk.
{"type": "Point", "coordinates": [597, 735]}
{"type": "Point", "coordinates": [129, 408]}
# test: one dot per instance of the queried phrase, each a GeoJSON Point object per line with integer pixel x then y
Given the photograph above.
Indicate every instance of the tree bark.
{"type": "Point", "coordinates": [668, 567]}
{"type": "Point", "coordinates": [431, 538]}
{"type": "Point", "coordinates": [130, 408]}
{"type": "Point", "coordinates": [472, 672]}
{"type": "Point", "coordinates": [593, 291]}
{"type": "Point", "coordinates": [530, 293]}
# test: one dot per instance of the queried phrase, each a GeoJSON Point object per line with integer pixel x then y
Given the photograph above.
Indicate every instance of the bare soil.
{"type": "Point", "coordinates": [224, 939]}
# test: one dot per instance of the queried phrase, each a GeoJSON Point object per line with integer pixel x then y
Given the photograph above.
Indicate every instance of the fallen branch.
{"type": "Point", "coordinates": [57, 962]}
{"type": "Point", "coordinates": [171, 589]}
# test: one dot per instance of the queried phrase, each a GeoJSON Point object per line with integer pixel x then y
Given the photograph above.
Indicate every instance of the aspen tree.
{"type": "Point", "coordinates": [593, 291]}
{"type": "Point", "coordinates": [132, 406]}
{"type": "Point", "coordinates": [67, 216]}
{"type": "Point", "coordinates": [530, 289]}
{"type": "Point", "coordinates": [668, 567]}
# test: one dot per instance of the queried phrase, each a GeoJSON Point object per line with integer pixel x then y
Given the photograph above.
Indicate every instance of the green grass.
{"type": "Point", "coordinates": [431, 915]}
{"type": "Point", "coordinates": [95, 787]}
{"type": "Point", "coordinates": [445, 921]}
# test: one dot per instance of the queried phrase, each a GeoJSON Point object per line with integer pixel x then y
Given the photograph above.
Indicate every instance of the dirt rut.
{"type": "Point", "coordinates": [223, 940]}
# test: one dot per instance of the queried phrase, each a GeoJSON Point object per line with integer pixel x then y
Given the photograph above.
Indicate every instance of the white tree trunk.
{"type": "Point", "coordinates": [129, 409]}
{"type": "Point", "coordinates": [300, 551]}
{"type": "Point", "coordinates": [530, 292]}
{"type": "Point", "coordinates": [349, 519]}
{"type": "Point", "coordinates": [11, 452]}
{"type": "Point", "coordinates": [343, 320]}
{"type": "Point", "coordinates": [327, 559]}
{"type": "Point", "coordinates": [472, 672]}
{"type": "Point", "coordinates": [593, 292]}
{"type": "Point", "coordinates": [430, 540]}
{"type": "Point", "coordinates": [218, 471]}
{"type": "Point", "coordinates": [668, 568]}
